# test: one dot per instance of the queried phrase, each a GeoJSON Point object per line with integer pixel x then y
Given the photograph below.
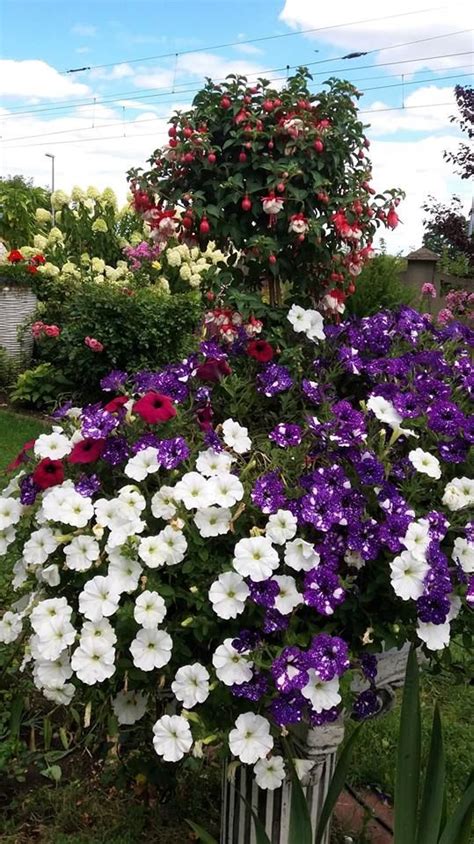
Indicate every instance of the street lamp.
{"type": "Point", "coordinates": [52, 157]}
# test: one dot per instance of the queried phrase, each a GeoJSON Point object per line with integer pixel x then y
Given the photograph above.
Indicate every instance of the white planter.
{"type": "Point", "coordinates": [16, 305]}
{"type": "Point", "coordinates": [273, 807]}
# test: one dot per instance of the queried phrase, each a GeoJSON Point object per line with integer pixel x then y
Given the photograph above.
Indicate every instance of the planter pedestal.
{"type": "Point", "coordinates": [16, 305]}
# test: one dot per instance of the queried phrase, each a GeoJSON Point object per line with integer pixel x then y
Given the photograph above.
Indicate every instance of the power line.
{"type": "Point", "coordinates": [158, 117]}
{"type": "Point", "coordinates": [174, 91]}
{"type": "Point", "coordinates": [253, 40]}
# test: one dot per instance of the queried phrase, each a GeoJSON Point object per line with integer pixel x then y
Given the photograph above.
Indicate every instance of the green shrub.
{"type": "Point", "coordinates": [42, 386]}
{"type": "Point", "coordinates": [7, 369]}
{"type": "Point", "coordinates": [379, 286]}
{"type": "Point", "coordinates": [139, 329]}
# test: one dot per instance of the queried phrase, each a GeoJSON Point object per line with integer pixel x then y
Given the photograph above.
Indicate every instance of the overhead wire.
{"type": "Point", "coordinates": [134, 93]}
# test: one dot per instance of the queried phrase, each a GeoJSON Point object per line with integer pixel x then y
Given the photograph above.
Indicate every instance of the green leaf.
{"type": "Point", "coordinates": [300, 819]}
{"type": "Point", "coordinates": [16, 711]}
{"type": "Point", "coordinates": [407, 780]}
{"type": "Point", "coordinates": [337, 784]}
{"type": "Point", "coordinates": [53, 773]}
{"type": "Point", "coordinates": [203, 835]}
{"type": "Point", "coordinates": [432, 802]}
{"type": "Point", "coordinates": [459, 825]}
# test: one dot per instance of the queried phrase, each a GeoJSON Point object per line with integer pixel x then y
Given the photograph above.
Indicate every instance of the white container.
{"type": "Point", "coordinates": [16, 305]}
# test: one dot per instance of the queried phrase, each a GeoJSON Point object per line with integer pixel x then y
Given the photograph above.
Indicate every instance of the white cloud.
{"type": "Point", "coordinates": [301, 14]}
{"type": "Point", "coordinates": [34, 78]}
{"type": "Point", "coordinates": [85, 30]}
{"type": "Point", "coordinates": [194, 66]}
{"type": "Point", "coordinates": [428, 109]}
{"type": "Point", "coordinates": [118, 71]}
{"type": "Point", "coordinates": [248, 49]}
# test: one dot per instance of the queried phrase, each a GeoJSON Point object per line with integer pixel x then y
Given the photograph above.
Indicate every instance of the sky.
{"type": "Point", "coordinates": [146, 58]}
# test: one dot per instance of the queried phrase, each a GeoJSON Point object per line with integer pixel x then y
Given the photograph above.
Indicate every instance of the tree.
{"type": "Point", "coordinates": [19, 199]}
{"type": "Point", "coordinates": [463, 159]}
{"type": "Point", "coordinates": [280, 179]}
{"type": "Point", "coordinates": [446, 232]}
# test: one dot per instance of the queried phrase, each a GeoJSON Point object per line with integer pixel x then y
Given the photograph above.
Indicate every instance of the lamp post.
{"type": "Point", "coordinates": [52, 157]}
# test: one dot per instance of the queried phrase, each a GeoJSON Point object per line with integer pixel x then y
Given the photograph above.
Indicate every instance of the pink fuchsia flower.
{"type": "Point", "coordinates": [428, 289]}
{"type": "Point", "coordinates": [93, 344]}
{"type": "Point", "coordinates": [445, 316]}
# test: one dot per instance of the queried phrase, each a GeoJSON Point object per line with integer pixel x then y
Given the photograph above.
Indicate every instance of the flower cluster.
{"type": "Point", "coordinates": [242, 544]}
{"type": "Point", "coordinates": [19, 267]}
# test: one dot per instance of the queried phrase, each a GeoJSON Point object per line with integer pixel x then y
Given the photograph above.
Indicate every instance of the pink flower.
{"type": "Point", "coordinates": [94, 345]}
{"type": "Point", "coordinates": [428, 289]}
{"type": "Point", "coordinates": [37, 329]}
{"type": "Point", "coordinates": [444, 316]}
{"type": "Point", "coordinates": [52, 330]}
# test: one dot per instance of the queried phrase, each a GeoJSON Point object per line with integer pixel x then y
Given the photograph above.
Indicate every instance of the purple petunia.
{"type": "Point", "coordinates": [274, 379]}
{"type": "Point", "coordinates": [329, 656]}
{"type": "Point", "coordinates": [114, 381]}
{"type": "Point", "coordinates": [286, 435]}
{"type": "Point", "coordinates": [269, 493]}
{"type": "Point", "coordinates": [97, 423]}
{"type": "Point", "coordinates": [323, 590]}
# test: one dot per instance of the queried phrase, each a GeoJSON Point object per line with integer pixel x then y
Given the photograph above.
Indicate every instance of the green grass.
{"type": "Point", "coordinates": [16, 429]}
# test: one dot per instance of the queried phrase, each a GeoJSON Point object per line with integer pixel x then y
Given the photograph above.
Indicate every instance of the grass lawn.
{"type": "Point", "coordinates": [15, 429]}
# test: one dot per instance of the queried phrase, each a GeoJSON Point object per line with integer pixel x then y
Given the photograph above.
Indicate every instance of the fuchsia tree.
{"type": "Point", "coordinates": [280, 179]}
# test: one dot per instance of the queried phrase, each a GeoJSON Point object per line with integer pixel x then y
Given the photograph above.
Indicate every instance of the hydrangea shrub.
{"type": "Point", "coordinates": [218, 549]}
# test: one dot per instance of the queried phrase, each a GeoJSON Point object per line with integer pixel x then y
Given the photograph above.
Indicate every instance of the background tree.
{"type": "Point", "coordinates": [463, 159]}
{"type": "Point", "coordinates": [19, 199]}
{"type": "Point", "coordinates": [280, 179]}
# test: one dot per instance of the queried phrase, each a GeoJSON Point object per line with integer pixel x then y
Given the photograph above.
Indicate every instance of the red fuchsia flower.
{"type": "Point", "coordinates": [94, 345]}
{"type": "Point", "coordinates": [154, 407]}
{"type": "Point", "coordinates": [204, 417]}
{"type": "Point", "coordinates": [260, 350]}
{"type": "Point", "coordinates": [21, 456]}
{"type": "Point", "coordinates": [298, 224]}
{"type": "Point", "coordinates": [212, 370]}
{"type": "Point", "coordinates": [52, 330]}
{"type": "Point", "coordinates": [86, 451]}
{"type": "Point", "coordinates": [15, 256]}
{"type": "Point", "coordinates": [115, 404]}
{"type": "Point", "coordinates": [392, 218]}
{"type": "Point", "coordinates": [48, 473]}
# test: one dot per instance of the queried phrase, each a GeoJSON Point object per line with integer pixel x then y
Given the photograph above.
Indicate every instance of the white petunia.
{"type": "Point", "coordinates": [120, 533]}
{"type": "Point", "coordinates": [194, 491]}
{"type": "Point", "coordinates": [417, 538]}
{"type": "Point", "coordinates": [211, 462]}
{"type": "Point", "coordinates": [236, 436]}
{"type": "Point", "coordinates": [98, 631]}
{"type": "Point", "coordinates": [300, 555]}
{"type": "Point", "coordinates": [459, 493]}
{"type": "Point", "coordinates": [110, 512]}
{"type": "Point", "coordinates": [151, 649]}
{"type": "Point", "coordinates": [93, 662]}
{"type": "Point", "coordinates": [123, 572]}
{"type": "Point", "coordinates": [228, 595]}
{"type": "Point", "coordinates": [7, 536]}
{"type": "Point", "coordinates": [151, 551]}
{"type": "Point", "coordinates": [288, 597]}
{"type": "Point", "coordinates": [55, 638]}
{"type": "Point", "coordinates": [39, 546]}
{"type": "Point", "coordinates": [435, 636]}
{"type": "Point", "coordinates": [81, 553]}
{"type": "Point", "coordinates": [60, 694]}
{"type": "Point", "coordinates": [133, 500]}
{"type": "Point", "coordinates": [99, 598]}
{"type": "Point", "coordinates": [10, 627]}
{"type": "Point", "coordinates": [174, 545]}
{"type": "Point", "coordinates": [281, 527]}
{"type": "Point", "coordinates": [129, 707]}
{"type": "Point", "coordinates": [149, 610]}
{"type": "Point", "coordinates": [407, 576]}
{"type": "Point", "coordinates": [298, 317]}
{"type": "Point", "coordinates": [10, 512]}
{"type": "Point", "coordinates": [191, 684]}
{"type": "Point", "coordinates": [270, 773]}
{"type": "Point", "coordinates": [142, 464]}
{"type": "Point", "coordinates": [53, 673]}
{"type": "Point", "coordinates": [250, 740]}
{"type": "Point", "coordinates": [255, 557]}
{"type": "Point", "coordinates": [315, 329]}
{"type": "Point", "coordinates": [55, 446]}
{"type": "Point", "coordinates": [49, 574]}
{"type": "Point", "coordinates": [47, 612]}
{"type": "Point", "coordinates": [322, 694]}
{"type": "Point", "coordinates": [384, 411]}
{"type": "Point", "coordinates": [231, 666]}
{"type": "Point", "coordinates": [425, 463]}
{"type": "Point", "coordinates": [172, 737]}
{"type": "Point", "coordinates": [213, 521]}
{"type": "Point", "coordinates": [463, 554]}
{"type": "Point", "coordinates": [163, 503]}
{"type": "Point", "coordinates": [226, 489]}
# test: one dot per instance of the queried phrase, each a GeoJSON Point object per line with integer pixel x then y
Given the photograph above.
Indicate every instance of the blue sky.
{"type": "Point", "coordinates": [100, 122]}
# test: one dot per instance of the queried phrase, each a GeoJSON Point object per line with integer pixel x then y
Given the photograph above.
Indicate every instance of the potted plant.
{"type": "Point", "coordinates": [17, 302]}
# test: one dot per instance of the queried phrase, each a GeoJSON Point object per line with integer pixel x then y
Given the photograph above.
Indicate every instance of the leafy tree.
{"type": "Point", "coordinates": [446, 232]}
{"type": "Point", "coordinates": [19, 199]}
{"type": "Point", "coordinates": [280, 179]}
{"type": "Point", "coordinates": [463, 159]}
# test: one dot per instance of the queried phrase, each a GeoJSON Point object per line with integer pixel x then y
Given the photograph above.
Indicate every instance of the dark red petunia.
{"type": "Point", "coordinates": [115, 404]}
{"type": "Point", "coordinates": [86, 451]}
{"type": "Point", "coordinates": [48, 473]}
{"type": "Point", "coordinates": [15, 256]}
{"type": "Point", "coordinates": [204, 417]}
{"type": "Point", "coordinates": [21, 457]}
{"type": "Point", "coordinates": [260, 350]}
{"type": "Point", "coordinates": [154, 407]}
{"type": "Point", "coordinates": [212, 370]}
